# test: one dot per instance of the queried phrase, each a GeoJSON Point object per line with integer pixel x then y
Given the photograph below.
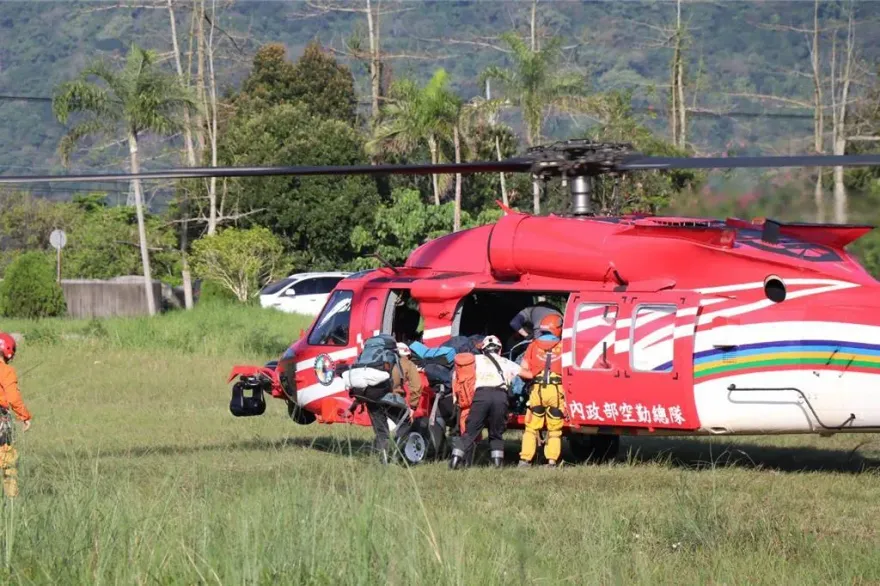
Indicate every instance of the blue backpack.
{"type": "Point", "coordinates": [379, 352]}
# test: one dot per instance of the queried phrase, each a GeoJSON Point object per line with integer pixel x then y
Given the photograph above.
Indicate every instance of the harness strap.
{"type": "Point", "coordinates": [498, 368]}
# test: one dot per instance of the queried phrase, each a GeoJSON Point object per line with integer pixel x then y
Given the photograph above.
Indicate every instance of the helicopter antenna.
{"type": "Point", "coordinates": [385, 262]}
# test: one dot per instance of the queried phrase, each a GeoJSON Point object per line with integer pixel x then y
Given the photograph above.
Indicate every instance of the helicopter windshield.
{"type": "Point", "coordinates": [332, 326]}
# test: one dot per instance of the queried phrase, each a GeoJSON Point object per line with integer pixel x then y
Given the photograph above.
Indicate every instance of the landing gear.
{"type": "Point", "coordinates": [593, 448]}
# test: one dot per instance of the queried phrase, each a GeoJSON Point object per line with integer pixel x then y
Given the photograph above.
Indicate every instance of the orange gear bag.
{"type": "Point", "coordinates": [464, 384]}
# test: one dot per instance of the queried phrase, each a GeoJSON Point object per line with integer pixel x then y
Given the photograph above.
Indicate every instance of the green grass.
{"type": "Point", "coordinates": [134, 472]}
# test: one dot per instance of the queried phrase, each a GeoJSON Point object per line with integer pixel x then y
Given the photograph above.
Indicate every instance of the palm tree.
{"type": "Point", "coordinates": [136, 100]}
{"type": "Point", "coordinates": [536, 83]}
{"type": "Point", "coordinates": [415, 115]}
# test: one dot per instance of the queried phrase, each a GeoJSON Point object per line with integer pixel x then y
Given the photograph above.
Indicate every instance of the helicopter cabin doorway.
{"type": "Point", "coordinates": [482, 313]}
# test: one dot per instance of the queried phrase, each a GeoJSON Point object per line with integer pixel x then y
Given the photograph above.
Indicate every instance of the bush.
{"type": "Point", "coordinates": [212, 292]}
{"type": "Point", "coordinates": [29, 289]}
{"type": "Point", "coordinates": [242, 261]}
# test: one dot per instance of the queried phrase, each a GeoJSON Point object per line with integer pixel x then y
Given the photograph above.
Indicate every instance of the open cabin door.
{"type": "Point", "coordinates": [629, 360]}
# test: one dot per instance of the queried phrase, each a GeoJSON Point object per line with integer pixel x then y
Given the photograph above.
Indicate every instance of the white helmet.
{"type": "Point", "coordinates": [403, 349]}
{"type": "Point", "coordinates": [491, 344]}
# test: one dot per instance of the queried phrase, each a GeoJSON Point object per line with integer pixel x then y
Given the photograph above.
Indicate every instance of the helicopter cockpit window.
{"type": "Point", "coordinates": [332, 326]}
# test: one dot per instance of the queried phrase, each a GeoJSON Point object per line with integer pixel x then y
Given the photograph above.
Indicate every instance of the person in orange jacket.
{"type": "Point", "coordinates": [543, 359]}
{"type": "Point", "coordinates": [10, 398]}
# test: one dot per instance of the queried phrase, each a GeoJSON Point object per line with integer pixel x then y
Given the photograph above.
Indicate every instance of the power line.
{"type": "Point", "coordinates": [9, 98]}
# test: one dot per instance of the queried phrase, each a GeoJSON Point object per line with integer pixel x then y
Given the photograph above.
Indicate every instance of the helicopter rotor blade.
{"type": "Point", "coordinates": [551, 165]}
{"type": "Point", "coordinates": [506, 166]}
{"type": "Point", "coordinates": [648, 163]}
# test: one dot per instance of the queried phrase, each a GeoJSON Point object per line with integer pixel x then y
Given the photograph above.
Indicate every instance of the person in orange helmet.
{"type": "Point", "coordinates": [546, 406]}
{"type": "Point", "coordinates": [10, 398]}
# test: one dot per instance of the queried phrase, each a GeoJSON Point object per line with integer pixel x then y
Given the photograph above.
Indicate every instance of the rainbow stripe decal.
{"type": "Point", "coordinates": [769, 355]}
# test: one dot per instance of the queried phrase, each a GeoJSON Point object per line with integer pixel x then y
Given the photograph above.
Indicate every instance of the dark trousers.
{"type": "Point", "coordinates": [379, 415]}
{"type": "Point", "coordinates": [489, 409]}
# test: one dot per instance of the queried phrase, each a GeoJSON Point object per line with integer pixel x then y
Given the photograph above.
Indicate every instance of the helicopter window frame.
{"type": "Point", "coordinates": [609, 305]}
{"type": "Point", "coordinates": [632, 336]}
{"type": "Point", "coordinates": [320, 334]}
{"type": "Point", "coordinates": [390, 314]}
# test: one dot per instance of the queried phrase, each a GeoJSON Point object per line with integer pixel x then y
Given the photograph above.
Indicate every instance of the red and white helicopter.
{"type": "Point", "coordinates": [672, 326]}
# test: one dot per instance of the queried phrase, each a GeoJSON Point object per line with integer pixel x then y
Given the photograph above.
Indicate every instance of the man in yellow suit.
{"type": "Point", "coordinates": [543, 359]}
{"type": "Point", "coordinates": [10, 398]}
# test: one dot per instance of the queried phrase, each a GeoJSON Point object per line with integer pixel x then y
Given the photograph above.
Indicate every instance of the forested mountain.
{"type": "Point", "coordinates": [730, 48]}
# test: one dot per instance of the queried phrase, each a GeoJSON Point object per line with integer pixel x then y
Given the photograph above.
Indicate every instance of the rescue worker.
{"type": "Point", "coordinates": [494, 375]}
{"type": "Point", "coordinates": [403, 377]}
{"type": "Point", "coordinates": [546, 406]}
{"type": "Point", "coordinates": [531, 316]}
{"type": "Point", "coordinates": [10, 398]}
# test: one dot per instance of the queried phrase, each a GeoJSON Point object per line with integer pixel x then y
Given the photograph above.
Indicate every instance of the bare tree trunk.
{"type": "Point", "coordinates": [198, 21]}
{"type": "Point", "coordinates": [191, 159]}
{"type": "Point", "coordinates": [682, 110]}
{"type": "Point", "coordinates": [142, 230]}
{"type": "Point", "coordinates": [493, 120]}
{"type": "Point", "coordinates": [839, 124]}
{"type": "Point", "coordinates": [212, 189]}
{"type": "Point", "coordinates": [432, 145]}
{"type": "Point", "coordinates": [818, 115]}
{"type": "Point", "coordinates": [536, 196]}
{"type": "Point", "coordinates": [534, 27]}
{"type": "Point", "coordinates": [503, 182]}
{"type": "Point", "coordinates": [375, 62]}
{"type": "Point", "coordinates": [535, 133]}
{"type": "Point", "coordinates": [456, 222]}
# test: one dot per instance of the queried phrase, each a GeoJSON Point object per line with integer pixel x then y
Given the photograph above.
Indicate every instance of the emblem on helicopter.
{"type": "Point", "coordinates": [325, 369]}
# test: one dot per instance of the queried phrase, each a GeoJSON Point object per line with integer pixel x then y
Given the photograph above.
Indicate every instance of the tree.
{"type": "Point", "coordinates": [241, 261]}
{"type": "Point", "coordinates": [535, 83]}
{"type": "Point", "coordinates": [314, 216]}
{"type": "Point", "coordinates": [29, 289]}
{"type": "Point", "coordinates": [103, 242]}
{"type": "Point", "coordinates": [400, 226]}
{"type": "Point", "coordinates": [136, 100]}
{"type": "Point", "coordinates": [418, 114]}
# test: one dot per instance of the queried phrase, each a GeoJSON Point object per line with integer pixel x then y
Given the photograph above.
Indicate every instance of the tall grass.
{"type": "Point", "coordinates": [211, 329]}
{"type": "Point", "coordinates": [135, 472]}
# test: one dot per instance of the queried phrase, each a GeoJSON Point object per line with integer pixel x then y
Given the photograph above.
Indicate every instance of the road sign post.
{"type": "Point", "coordinates": [58, 239]}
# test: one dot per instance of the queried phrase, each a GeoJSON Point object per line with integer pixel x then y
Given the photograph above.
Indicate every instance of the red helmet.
{"type": "Point", "coordinates": [7, 346]}
{"type": "Point", "coordinates": [552, 324]}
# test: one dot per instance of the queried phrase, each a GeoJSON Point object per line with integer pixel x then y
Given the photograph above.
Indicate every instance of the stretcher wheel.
{"type": "Point", "coordinates": [593, 448]}
{"type": "Point", "coordinates": [417, 445]}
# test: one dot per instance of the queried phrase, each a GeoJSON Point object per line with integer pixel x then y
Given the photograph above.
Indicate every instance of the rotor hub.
{"type": "Point", "coordinates": [577, 162]}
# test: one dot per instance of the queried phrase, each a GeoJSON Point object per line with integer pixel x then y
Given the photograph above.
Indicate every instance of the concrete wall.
{"type": "Point", "coordinates": [94, 298]}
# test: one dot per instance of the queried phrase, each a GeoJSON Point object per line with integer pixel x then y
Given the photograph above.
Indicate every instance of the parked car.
{"type": "Point", "coordinates": [303, 293]}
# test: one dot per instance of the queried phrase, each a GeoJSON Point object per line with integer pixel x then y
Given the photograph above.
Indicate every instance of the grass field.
{"type": "Point", "coordinates": [134, 472]}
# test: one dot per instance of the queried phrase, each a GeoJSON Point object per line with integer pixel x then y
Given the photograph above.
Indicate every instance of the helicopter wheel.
{"type": "Point", "coordinates": [298, 414]}
{"type": "Point", "coordinates": [593, 448]}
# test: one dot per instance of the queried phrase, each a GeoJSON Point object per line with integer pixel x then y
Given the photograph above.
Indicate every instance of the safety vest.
{"type": "Point", "coordinates": [542, 354]}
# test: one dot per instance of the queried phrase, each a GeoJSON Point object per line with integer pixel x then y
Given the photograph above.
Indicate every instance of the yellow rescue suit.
{"type": "Point", "coordinates": [546, 406]}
